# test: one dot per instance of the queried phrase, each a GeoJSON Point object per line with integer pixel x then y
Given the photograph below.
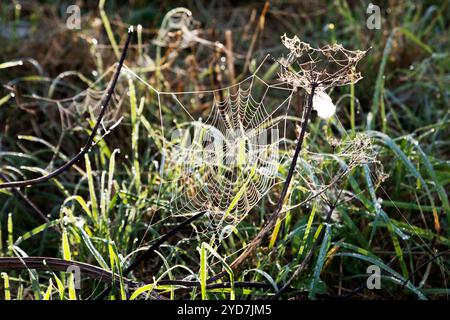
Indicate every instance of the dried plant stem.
{"type": "Point", "coordinates": [196, 284]}
{"type": "Point", "coordinates": [160, 241]}
{"type": "Point", "coordinates": [56, 264]}
{"type": "Point", "coordinates": [277, 214]}
{"type": "Point", "coordinates": [88, 145]}
{"type": "Point", "coordinates": [230, 57]}
{"type": "Point", "coordinates": [38, 213]}
{"type": "Point", "coordinates": [151, 250]}
{"type": "Point", "coordinates": [61, 265]}
{"type": "Point", "coordinates": [311, 252]}
{"type": "Point", "coordinates": [259, 29]}
{"type": "Point", "coordinates": [94, 272]}
{"type": "Point", "coordinates": [251, 247]}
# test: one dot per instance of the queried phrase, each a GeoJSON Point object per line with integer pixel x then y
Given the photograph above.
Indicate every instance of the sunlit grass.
{"type": "Point", "coordinates": [109, 207]}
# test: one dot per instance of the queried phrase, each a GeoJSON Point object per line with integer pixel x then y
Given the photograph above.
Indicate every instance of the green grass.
{"type": "Point", "coordinates": [108, 208]}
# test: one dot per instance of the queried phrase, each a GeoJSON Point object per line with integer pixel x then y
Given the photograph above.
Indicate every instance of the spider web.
{"type": "Point", "coordinates": [222, 153]}
{"type": "Point", "coordinates": [328, 66]}
{"type": "Point", "coordinates": [88, 102]}
{"type": "Point", "coordinates": [73, 113]}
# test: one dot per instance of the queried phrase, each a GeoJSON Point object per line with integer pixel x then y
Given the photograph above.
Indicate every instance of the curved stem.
{"type": "Point", "coordinates": [238, 284]}
{"type": "Point", "coordinates": [56, 264]}
{"type": "Point", "coordinates": [159, 242]}
{"type": "Point", "coordinates": [151, 250]}
{"type": "Point", "coordinates": [38, 213]}
{"type": "Point", "coordinates": [88, 145]}
{"type": "Point", "coordinates": [251, 247]}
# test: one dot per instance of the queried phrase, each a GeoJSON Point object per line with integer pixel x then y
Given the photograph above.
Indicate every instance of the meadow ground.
{"type": "Point", "coordinates": [369, 194]}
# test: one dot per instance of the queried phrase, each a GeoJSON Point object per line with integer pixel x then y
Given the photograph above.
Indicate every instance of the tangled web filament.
{"type": "Point", "coordinates": [224, 164]}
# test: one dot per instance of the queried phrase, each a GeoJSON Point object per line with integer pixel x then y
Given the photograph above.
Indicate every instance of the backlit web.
{"type": "Point", "coordinates": [223, 150]}
{"type": "Point", "coordinates": [86, 104]}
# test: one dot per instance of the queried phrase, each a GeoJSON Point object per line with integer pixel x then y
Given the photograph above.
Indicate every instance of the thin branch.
{"type": "Point", "coordinates": [435, 257]}
{"type": "Point", "coordinates": [97, 273]}
{"type": "Point", "coordinates": [56, 264]}
{"type": "Point", "coordinates": [251, 247]}
{"type": "Point", "coordinates": [61, 265]}
{"type": "Point", "coordinates": [195, 284]}
{"type": "Point", "coordinates": [151, 250]}
{"type": "Point", "coordinates": [88, 145]}
{"type": "Point", "coordinates": [38, 213]}
{"type": "Point", "coordinates": [310, 254]}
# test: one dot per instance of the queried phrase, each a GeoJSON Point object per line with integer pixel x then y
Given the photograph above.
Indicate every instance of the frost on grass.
{"type": "Point", "coordinates": [225, 159]}
{"type": "Point", "coordinates": [315, 70]}
{"type": "Point", "coordinates": [177, 29]}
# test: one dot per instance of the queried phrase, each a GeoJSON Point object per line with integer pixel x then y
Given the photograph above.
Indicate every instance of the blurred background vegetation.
{"type": "Point", "coordinates": [398, 219]}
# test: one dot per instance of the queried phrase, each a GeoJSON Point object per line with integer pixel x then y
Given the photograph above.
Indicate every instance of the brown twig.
{"type": "Point", "coordinates": [56, 264]}
{"type": "Point", "coordinates": [151, 250]}
{"type": "Point", "coordinates": [277, 214]}
{"type": "Point", "coordinates": [311, 252]}
{"type": "Point", "coordinates": [89, 143]}
{"type": "Point", "coordinates": [38, 213]}
{"type": "Point", "coordinates": [196, 284]}
{"type": "Point", "coordinates": [61, 265]}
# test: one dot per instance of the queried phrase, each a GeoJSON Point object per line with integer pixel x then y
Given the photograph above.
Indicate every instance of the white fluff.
{"type": "Point", "coordinates": [323, 105]}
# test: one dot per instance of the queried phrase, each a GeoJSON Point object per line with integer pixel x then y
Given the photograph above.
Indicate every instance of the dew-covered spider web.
{"type": "Point", "coordinates": [326, 67]}
{"type": "Point", "coordinates": [82, 105]}
{"type": "Point", "coordinates": [223, 148]}
{"type": "Point", "coordinates": [76, 111]}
